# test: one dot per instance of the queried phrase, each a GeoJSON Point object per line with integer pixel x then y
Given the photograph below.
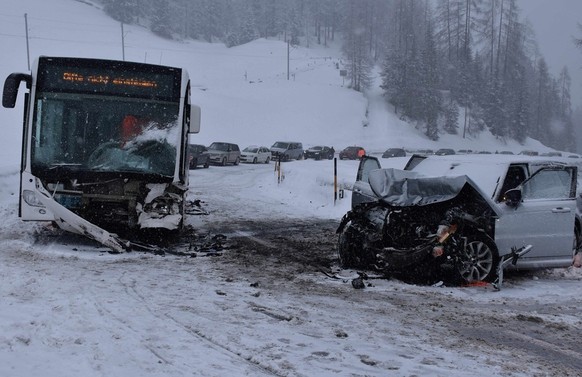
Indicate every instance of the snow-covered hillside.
{"type": "Point", "coordinates": [263, 307]}
{"type": "Point", "coordinates": [244, 92]}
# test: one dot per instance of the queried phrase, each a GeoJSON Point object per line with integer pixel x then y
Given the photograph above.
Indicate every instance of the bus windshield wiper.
{"type": "Point", "coordinates": [64, 168]}
{"type": "Point", "coordinates": [64, 165]}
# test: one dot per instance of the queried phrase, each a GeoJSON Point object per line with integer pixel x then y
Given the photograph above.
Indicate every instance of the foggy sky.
{"type": "Point", "coordinates": [555, 24]}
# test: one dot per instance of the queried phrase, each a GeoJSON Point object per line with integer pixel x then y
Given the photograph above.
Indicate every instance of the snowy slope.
{"type": "Point", "coordinates": [243, 91]}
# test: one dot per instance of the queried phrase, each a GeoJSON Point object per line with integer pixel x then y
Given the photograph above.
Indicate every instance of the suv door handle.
{"type": "Point", "coordinates": [561, 210]}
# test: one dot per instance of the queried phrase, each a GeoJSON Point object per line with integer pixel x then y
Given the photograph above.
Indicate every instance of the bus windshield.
{"type": "Point", "coordinates": [100, 133]}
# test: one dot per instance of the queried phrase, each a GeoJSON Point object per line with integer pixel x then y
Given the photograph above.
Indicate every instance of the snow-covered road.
{"type": "Point", "coordinates": [263, 307]}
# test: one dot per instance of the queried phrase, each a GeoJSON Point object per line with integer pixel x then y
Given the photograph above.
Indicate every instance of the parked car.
{"type": "Point", "coordinates": [444, 152]}
{"type": "Point", "coordinates": [506, 152]}
{"type": "Point", "coordinates": [222, 153]}
{"type": "Point", "coordinates": [462, 217]}
{"type": "Point", "coordinates": [198, 156]}
{"type": "Point", "coordinates": [551, 154]}
{"type": "Point", "coordinates": [529, 153]}
{"type": "Point", "coordinates": [424, 152]}
{"type": "Point", "coordinates": [465, 151]}
{"type": "Point", "coordinates": [394, 152]}
{"type": "Point", "coordinates": [319, 152]}
{"type": "Point", "coordinates": [255, 154]}
{"type": "Point", "coordinates": [287, 150]}
{"type": "Point", "coordinates": [352, 153]}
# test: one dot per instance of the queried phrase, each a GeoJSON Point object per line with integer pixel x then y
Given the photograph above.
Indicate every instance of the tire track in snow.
{"type": "Point", "coordinates": [131, 290]}
{"type": "Point", "coordinates": [107, 313]}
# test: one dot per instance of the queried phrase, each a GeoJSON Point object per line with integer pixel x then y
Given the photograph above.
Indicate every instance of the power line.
{"type": "Point", "coordinates": [73, 41]}
{"type": "Point", "coordinates": [69, 22]}
{"type": "Point", "coordinates": [37, 28]}
{"type": "Point", "coordinates": [12, 35]}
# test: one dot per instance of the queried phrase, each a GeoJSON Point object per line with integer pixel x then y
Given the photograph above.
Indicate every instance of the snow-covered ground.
{"type": "Point", "coordinates": [68, 308]}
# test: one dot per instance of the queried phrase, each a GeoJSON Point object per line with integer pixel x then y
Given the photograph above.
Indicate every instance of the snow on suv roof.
{"type": "Point", "coordinates": [486, 171]}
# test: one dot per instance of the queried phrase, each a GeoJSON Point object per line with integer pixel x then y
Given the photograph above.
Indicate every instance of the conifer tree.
{"type": "Point", "coordinates": [430, 106]}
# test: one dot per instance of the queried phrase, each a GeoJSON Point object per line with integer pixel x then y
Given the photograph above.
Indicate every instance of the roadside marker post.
{"type": "Point", "coordinates": [334, 180]}
{"type": "Point", "coordinates": [278, 169]}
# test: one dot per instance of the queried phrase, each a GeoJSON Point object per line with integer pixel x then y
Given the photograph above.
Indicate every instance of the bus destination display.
{"type": "Point", "coordinates": [95, 80]}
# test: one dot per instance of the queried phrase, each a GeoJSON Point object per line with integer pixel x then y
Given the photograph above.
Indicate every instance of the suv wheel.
{"type": "Point", "coordinates": [223, 161]}
{"type": "Point", "coordinates": [236, 162]}
{"type": "Point", "coordinates": [479, 260]}
{"type": "Point", "coordinates": [351, 253]}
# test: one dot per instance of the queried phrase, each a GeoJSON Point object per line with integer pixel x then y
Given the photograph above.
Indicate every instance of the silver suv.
{"type": "Point", "coordinates": [462, 216]}
{"type": "Point", "coordinates": [286, 150]}
{"type": "Point", "coordinates": [224, 153]}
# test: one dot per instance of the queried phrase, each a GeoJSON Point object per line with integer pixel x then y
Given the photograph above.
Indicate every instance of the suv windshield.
{"type": "Point", "coordinates": [219, 147]}
{"type": "Point", "coordinates": [195, 148]}
{"type": "Point", "coordinates": [280, 145]}
{"type": "Point", "coordinates": [84, 132]}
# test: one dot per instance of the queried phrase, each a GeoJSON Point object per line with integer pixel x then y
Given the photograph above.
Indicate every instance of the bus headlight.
{"type": "Point", "coordinates": [160, 208]}
{"type": "Point", "coordinates": [31, 199]}
{"type": "Point", "coordinates": [163, 206]}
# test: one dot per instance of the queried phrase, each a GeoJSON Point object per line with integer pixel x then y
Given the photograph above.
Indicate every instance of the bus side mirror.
{"type": "Point", "coordinates": [11, 85]}
{"type": "Point", "coordinates": [195, 115]}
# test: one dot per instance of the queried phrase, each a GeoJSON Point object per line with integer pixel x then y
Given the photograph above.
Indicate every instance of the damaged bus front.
{"type": "Point", "coordinates": [104, 145]}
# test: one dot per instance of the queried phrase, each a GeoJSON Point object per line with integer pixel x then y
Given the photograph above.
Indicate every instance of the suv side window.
{"type": "Point", "coordinates": [550, 184]}
{"type": "Point", "coordinates": [367, 164]}
{"type": "Point", "coordinates": [514, 177]}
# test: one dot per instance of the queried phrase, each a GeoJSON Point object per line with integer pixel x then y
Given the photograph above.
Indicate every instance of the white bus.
{"type": "Point", "coordinates": [104, 150]}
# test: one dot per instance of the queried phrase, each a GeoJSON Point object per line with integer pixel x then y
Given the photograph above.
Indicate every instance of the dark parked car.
{"type": "Point", "coordinates": [424, 152]}
{"type": "Point", "coordinates": [198, 156]}
{"type": "Point", "coordinates": [394, 152]}
{"type": "Point", "coordinates": [352, 153]}
{"type": "Point", "coordinates": [444, 152]}
{"type": "Point", "coordinates": [319, 152]}
{"type": "Point", "coordinates": [224, 153]}
{"type": "Point", "coordinates": [286, 150]}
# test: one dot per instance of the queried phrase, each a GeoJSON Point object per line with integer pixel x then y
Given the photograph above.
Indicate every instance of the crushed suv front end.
{"type": "Point", "coordinates": [420, 228]}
